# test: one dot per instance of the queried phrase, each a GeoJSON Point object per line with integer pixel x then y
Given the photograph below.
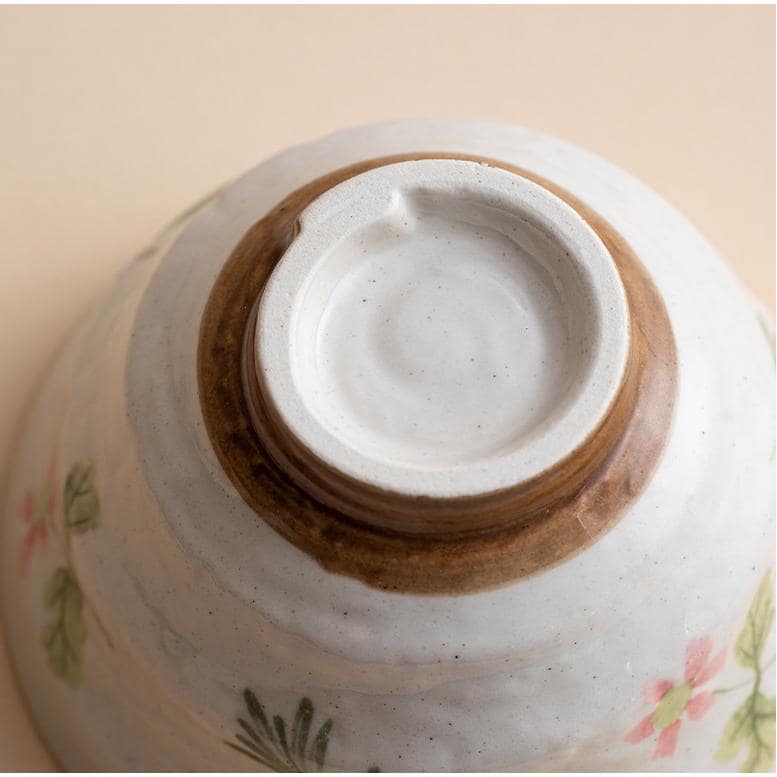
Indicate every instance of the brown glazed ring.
{"type": "Point", "coordinates": [416, 544]}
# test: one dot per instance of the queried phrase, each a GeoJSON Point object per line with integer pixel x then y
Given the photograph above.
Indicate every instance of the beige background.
{"type": "Point", "coordinates": [114, 119]}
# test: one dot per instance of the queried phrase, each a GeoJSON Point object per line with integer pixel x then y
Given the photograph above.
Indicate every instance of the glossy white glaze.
{"type": "Point", "coordinates": [200, 599]}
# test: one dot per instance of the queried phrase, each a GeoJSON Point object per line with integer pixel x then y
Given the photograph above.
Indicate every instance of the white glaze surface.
{"type": "Point", "coordinates": [202, 599]}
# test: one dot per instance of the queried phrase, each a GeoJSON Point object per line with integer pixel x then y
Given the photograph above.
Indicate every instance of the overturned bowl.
{"type": "Point", "coordinates": [427, 446]}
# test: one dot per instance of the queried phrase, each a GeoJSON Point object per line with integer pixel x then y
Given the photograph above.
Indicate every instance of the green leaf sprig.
{"type": "Point", "coordinates": [752, 726]}
{"type": "Point", "coordinates": [64, 635]}
{"type": "Point", "coordinates": [277, 748]}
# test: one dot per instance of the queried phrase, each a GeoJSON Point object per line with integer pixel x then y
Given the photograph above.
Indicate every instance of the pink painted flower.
{"type": "Point", "coordinates": [673, 701]}
{"type": "Point", "coordinates": [37, 511]}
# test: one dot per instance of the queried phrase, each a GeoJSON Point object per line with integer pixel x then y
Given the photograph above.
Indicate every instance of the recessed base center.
{"type": "Point", "coordinates": [442, 342]}
{"type": "Point", "coordinates": [438, 329]}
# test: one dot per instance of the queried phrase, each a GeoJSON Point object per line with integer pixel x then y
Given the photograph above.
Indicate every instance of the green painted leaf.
{"type": "Point", "coordinates": [277, 748]}
{"type": "Point", "coordinates": [751, 640]}
{"type": "Point", "coordinates": [751, 727]}
{"type": "Point", "coordinates": [65, 634]}
{"type": "Point", "coordinates": [81, 505]}
{"type": "Point", "coordinates": [320, 744]}
{"type": "Point", "coordinates": [256, 711]}
{"type": "Point", "coordinates": [280, 730]}
{"type": "Point", "coordinates": [301, 729]}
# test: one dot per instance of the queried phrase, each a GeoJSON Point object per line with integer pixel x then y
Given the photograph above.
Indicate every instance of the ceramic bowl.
{"type": "Point", "coordinates": [426, 446]}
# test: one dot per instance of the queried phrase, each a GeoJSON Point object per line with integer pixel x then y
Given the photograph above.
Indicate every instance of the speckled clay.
{"type": "Point", "coordinates": [430, 446]}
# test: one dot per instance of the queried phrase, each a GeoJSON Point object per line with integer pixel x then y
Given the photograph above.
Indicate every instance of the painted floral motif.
{"type": "Point", "coordinates": [752, 726]}
{"type": "Point", "coordinates": [64, 635]}
{"type": "Point", "coordinates": [65, 632]}
{"type": "Point", "coordinates": [38, 511]}
{"type": "Point", "coordinates": [278, 747]}
{"type": "Point", "coordinates": [684, 700]}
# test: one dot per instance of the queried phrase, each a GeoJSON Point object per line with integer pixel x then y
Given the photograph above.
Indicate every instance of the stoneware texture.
{"type": "Point", "coordinates": [426, 446]}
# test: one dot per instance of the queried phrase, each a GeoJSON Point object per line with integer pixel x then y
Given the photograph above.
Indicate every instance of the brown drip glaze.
{"type": "Point", "coordinates": [422, 545]}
